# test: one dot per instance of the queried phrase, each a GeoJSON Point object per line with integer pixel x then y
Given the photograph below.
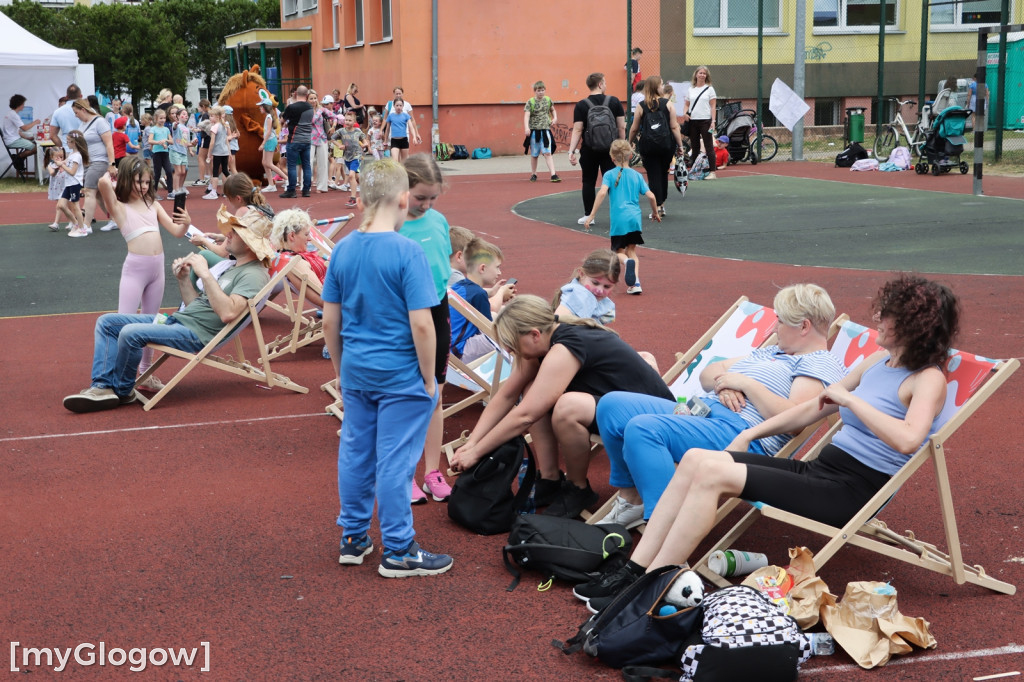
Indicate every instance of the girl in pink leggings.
{"type": "Point", "coordinates": [134, 208]}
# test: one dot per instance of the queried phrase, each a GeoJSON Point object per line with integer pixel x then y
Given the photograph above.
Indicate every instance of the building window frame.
{"type": "Point", "coordinates": [958, 23]}
{"type": "Point", "coordinates": [724, 28]}
{"type": "Point", "coordinates": [843, 24]}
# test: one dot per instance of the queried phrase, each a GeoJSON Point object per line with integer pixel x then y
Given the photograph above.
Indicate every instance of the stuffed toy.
{"type": "Point", "coordinates": [242, 94]}
{"type": "Point", "coordinates": [686, 590]}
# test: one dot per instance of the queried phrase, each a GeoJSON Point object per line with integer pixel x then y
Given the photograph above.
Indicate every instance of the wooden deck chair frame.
{"type": "Point", "coordinates": [864, 531]}
{"type": "Point", "coordinates": [307, 328]}
{"type": "Point", "coordinates": [683, 361]}
{"type": "Point", "coordinates": [324, 233]}
{"type": "Point", "coordinates": [484, 388]}
{"type": "Point", "coordinates": [231, 332]}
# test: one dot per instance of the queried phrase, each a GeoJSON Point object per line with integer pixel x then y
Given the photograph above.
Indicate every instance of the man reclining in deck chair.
{"type": "Point", "coordinates": [120, 338]}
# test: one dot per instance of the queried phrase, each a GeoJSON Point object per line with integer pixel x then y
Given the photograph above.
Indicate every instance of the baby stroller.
{"type": "Point", "coordinates": [737, 126]}
{"type": "Point", "coordinates": [945, 143]}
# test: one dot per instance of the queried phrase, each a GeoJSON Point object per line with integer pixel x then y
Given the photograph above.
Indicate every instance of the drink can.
{"type": "Point", "coordinates": [822, 644]}
{"type": "Point", "coordinates": [735, 562]}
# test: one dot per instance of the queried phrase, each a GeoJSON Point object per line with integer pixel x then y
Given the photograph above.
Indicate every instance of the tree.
{"type": "Point", "coordinates": [35, 19]}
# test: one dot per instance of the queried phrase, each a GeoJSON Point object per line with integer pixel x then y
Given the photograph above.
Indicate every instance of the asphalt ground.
{"type": "Point", "coordinates": [211, 518]}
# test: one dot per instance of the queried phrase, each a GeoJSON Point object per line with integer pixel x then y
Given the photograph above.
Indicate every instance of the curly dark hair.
{"type": "Point", "coordinates": [926, 318]}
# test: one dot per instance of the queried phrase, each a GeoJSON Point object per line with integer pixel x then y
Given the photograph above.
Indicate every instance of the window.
{"type": "Point", "coordinates": [729, 15]}
{"type": "Point", "coordinates": [853, 14]}
{"type": "Point", "coordinates": [385, 19]}
{"type": "Point", "coordinates": [354, 23]}
{"type": "Point", "coordinates": [291, 7]}
{"type": "Point", "coordinates": [768, 119]}
{"type": "Point", "coordinates": [306, 5]}
{"type": "Point", "coordinates": [378, 21]}
{"type": "Point", "coordinates": [967, 14]}
{"type": "Point", "coordinates": [826, 111]}
{"type": "Point", "coordinates": [335, 21]}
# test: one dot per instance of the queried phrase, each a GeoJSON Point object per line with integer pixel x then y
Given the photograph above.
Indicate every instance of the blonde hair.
{"type": "Point", "coordinates": [216, 110]}
{"type": "Point", "coordinates": [651, 94]}
{"type": "Point", "coordinates": [693, 80]}
{"type": "Point", "coordinates": [800, 302]}
{"type": "Point", "coordinates": [600, 263]}
{"type": "Point", "coordinates": [460, 237]}
{"type": "Point", "coordinates": [422, 169]}
{"type": "Point", "coordinates": [478, 250]}
{"type": "Point", "coordinates": [527, 312]}
{"type": "Point", "coordinates": [240, 185]}
{"type": "Point", "coordinates": [381, 182]}
{"type": "Point", "coordinates": [621, 152]}
{"type": "Point", "coordinates": [164, 94]}
{"type": "Point", "coordinates": [288, 222]}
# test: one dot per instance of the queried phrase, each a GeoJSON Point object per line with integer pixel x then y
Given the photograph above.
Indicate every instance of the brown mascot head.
{"type": "Point", "coordinates": [242, 94]}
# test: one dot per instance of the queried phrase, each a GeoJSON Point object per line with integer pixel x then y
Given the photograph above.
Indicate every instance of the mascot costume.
{"type": "Point", "coordinates": [242, 94]}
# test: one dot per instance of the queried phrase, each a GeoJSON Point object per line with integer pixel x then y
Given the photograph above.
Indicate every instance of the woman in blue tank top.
{"type": "Point", "coordinates": [889, 404]}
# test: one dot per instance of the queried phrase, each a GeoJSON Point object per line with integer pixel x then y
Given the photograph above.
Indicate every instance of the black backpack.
{"type": "Point", "coordinates": [656, 134]}
{"type": "Point", "coordinates": [564, 548]}
{"type": "Point", "coordinates": [848, 156]}
{"type": "Point", "coordinates": [630, 632]}
{"type": "Point", "coordinates": [601, 128]}
{"type": "Point", "coordinates": [482, 498]}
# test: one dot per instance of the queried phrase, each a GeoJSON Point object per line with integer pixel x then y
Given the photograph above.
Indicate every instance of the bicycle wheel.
{"type": "Point", "coordinates": [769, 148]}
{"type": "Point", "coordinates": [885, 143]}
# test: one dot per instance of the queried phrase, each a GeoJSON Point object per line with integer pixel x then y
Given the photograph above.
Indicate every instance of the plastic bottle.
{"type": "Point", "coordinates": [822, 644]}
{"type": "Point", "coordinates": [530, 506]}
{"type": "Point", "coordinates": [681, 407]}
{"type": "Point", "coordinates": [735, 562]}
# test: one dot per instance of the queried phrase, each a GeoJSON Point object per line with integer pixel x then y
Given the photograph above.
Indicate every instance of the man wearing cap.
{"type": "Point", "coordinates": [722, 152]}
{"type": "Point", "coordinates": [120, 338]}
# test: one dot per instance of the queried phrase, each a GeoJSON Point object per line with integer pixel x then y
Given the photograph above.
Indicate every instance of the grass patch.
{"type": "Point", "coordinates": [11, 185]}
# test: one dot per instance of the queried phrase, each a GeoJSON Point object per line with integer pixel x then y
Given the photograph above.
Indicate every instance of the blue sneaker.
{"type": "Point", "coordinates": [353, 549]}
{"type": "Point", "coordinates": [412, 561]}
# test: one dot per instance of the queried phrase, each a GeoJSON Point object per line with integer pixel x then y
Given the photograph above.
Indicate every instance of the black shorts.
{"type": "Point", "coordinates": [220, 165]}
{"type": "Point", "coordinates": [399, 142]}
{"type": "Point", "coordinates": [204, 141]}
{"type": "Point", "coordinates": [443, 331]}
{"type": "Point", "coordinates": [623, 240]}
{"type": "Point", "coordinates": [72, 193]}
{"type": "Point", "coordinates": [830, 489]}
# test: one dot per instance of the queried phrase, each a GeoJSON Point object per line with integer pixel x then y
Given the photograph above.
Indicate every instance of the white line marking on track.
{"type": "Point", "coordinates": [1010, 648]}
{"type": "Point", "coordinates": [191, 425]}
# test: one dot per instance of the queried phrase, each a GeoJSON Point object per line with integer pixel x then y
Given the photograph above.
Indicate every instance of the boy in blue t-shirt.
{"type": "Point", "coordinates": [377, 299]}
{"type": "Point", "coordinates": [483, 269]}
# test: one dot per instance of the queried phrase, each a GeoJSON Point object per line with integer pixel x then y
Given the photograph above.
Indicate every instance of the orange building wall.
{"type": "Point", "coordinates": [488, 60]}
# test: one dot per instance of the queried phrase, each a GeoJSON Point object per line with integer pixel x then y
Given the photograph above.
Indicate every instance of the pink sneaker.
{"type": "Point", "coordinates": [438, 488]}
{"type": "Point", "coordinates": [417, 495]}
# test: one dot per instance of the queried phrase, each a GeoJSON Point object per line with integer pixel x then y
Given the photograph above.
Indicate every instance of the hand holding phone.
{"type": "Point", "coordinates": [179, 201]}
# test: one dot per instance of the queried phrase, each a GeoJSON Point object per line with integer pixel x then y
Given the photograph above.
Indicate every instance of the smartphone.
{"type": "Point", "coordinates": [511, 280]}
{"type": "Point", "coordinates": [179, 201]}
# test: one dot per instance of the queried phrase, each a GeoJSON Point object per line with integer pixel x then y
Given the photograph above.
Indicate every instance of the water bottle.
{"type": "Point", "coordinates": [530, 506]}
{"type": "Point", "coordinates": [681, 407]}
{"type": "Point", "coordinates": [822, 644]}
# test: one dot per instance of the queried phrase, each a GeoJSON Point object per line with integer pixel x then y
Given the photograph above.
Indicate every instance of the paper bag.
{"type": "Point", "coordinates": [868, 625]}
{"type": "Point", "coordinates": [804, 595]}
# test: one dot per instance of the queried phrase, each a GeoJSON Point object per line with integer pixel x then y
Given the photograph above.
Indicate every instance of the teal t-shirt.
{"type": "Point", "coordinates": [161, 136]}
{"type": "Point", "coordinates": [624, 200]}
{"type": "Point", "coordinates": [430, 231]}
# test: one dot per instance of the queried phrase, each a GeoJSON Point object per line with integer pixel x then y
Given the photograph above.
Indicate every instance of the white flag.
{"type": "Point", "coordinates": [787, 106]}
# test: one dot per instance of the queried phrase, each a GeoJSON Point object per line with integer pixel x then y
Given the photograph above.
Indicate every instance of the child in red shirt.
{"type": "Point", "coordinates": [722, 151]}
{"type": "Point", "coordinates": [122, 143]}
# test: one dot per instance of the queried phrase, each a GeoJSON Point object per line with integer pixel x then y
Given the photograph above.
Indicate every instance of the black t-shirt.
{"type": "Point", "coordinates": [608, 363]}
{"type": "Point", "coordinates": [579, 114]}
{"type": "Point", "coordinates": [298, 116]}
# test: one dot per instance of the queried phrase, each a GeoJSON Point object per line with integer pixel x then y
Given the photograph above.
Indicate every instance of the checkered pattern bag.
{"type": "Point", "coordinates": [740, 617]}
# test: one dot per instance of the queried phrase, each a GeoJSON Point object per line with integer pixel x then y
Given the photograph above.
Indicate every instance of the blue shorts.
{"type": "Point", "coordinates": [72, 193]}
{"type": "Point", "coordinates": [352, 165]}
{"type": "Point", "coordinates": [536, 147]}
{"type": "Point", "coordinates": [147, 153]}
{"type": "Point", "coordinates": [270, 145]}
{"type": "Point", "coordinates": [178, 159]}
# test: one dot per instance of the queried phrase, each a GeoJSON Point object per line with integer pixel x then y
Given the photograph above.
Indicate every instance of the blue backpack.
{"type": "Point", "coordinates": [482, 153]}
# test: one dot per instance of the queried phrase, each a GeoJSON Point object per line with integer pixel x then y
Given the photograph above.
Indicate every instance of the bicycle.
{"type": "Point", "coordinates": [769, 146]}
{"type": "Point", "coordinates": [889, 139]}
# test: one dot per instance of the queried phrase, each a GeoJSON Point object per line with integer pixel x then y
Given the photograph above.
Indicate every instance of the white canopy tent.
{"type": "Point", "coordinates": [32, 67]}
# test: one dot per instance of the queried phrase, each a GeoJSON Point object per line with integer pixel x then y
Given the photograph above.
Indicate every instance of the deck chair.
{"type": "Point", "coordinates": [324, 233]}
{"type": "Point", "coordinates": [230, 333]}
{"type": "Point", "coordinates": [307, 324]}
{"type": "Point", "coordinates": [971, 380]}
{"type": "Point", "coordinates": [483, 376]}
{"type": "Point", "coordinates": [744, 327]}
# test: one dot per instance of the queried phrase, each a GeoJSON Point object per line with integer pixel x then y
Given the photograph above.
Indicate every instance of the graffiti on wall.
{"type": "Point", "coordinates": [816, 53]}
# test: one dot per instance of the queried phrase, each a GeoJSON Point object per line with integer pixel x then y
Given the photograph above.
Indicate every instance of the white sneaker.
{"type": "Point", "coordinates": [344, 187]}
{"type": "Point", "coordinates": [583, 221]}
{"type": "Point", "coordinates": [210, 195]}
{"type": "Point", "coordinates": [198, 182]}
{"type": "Point", "coordinates": [109, 227]}
{"type": "Point", "coordinates": [269, 188]}
{"type": "Point", "coordinates": [636, 289]}
{"type": "Point", "coordinates": [711, 176]}
{"type": "Point", "coordinates": [624, 514]}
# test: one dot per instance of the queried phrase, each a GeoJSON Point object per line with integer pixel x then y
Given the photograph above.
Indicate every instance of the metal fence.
{"type": "Point", "coordinates": [846, 58]}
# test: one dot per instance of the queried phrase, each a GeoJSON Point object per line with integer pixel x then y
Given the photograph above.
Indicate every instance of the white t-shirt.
{"type": "Point", "coordinates": [78, 178]}
{"type": "Point", "coordinates": [702, 109]}
{"type": "Point", "coordinates": [11, 126]}
{"type": "Point", "coordinates": [635, 99]}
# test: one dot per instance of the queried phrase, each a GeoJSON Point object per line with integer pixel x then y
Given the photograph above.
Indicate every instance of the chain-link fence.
{"type": "Point", "coordinates": [853, 61]}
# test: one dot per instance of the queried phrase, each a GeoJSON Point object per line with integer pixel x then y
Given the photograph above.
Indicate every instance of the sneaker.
{"type": "Point", "coordinates": [331, 185]}
{"type": "Point", "coordinates": [54, 227]}
{"type": "Point", "coordinates": [710, 176]}
{"type": "Point", "coordinates": [353, 549]}
{"type": "Point", "coordinates": [599, 604]}
{"type": "Point", "coordinates": [287, 194]}
{"type": "Point", "coordinates": [198, 182]}
{"type": "Point", "coordinates": [546, 489]}
{"type": "Point", "coordinates": [412, 561]}
{"type": "Point", "coordinates": [343, 187]}
{"type": "Point", "coordinates": [151, 385]}
{"type": "Point", "coordinates": [92, 399]}
{"type": "Point", "coordinates": [70, 226]}
{"type": "Point", "coordinates": [183, 190]}
{"type": "Point", "coordinates": [624, 514]}
{"type": "Point", "coordinates": [305, 193]}
{"type": "Point", "coordinates": [555, 178]}
{"type": "Point", "coordinates": [109, 227]}
{"type": "Point", "coordinates": [630, 272]}
{"type": "Point", "coordinates": [127, 399]}
{"type": "Point", "coordinates": [583, 221]}
{"type": "Point", "coordinates": [278, 179]}
{"type": "Point", "coordinates": [636, 289]}
{"type": "Point", "coordinates": [326, 353]}
{"type": "Point", "coordinates": [438, 488]}
{"type": "Point", "coordinates": [165, 197]}
{"type": "Point", "coordinates": [88, 228]}
{"type": "Point", "coordinates": [269, 188]}
{"type": "Point", "coordinates": [211, 195]}
{"type": "Point", "coordinates": [571, 500]}
{"type": "Point", "coordinates": [661, 211]}
{"type": "Point", "coordinates": [533, 178]}
{"type": "Point", "coordinates": [608, 584]}
{"type": "Point", "coordinates": [418, 496]}
{"type": "Point", "coordinates": [78, 232]}
{"type": "Point", "coordinates": [351, 203]}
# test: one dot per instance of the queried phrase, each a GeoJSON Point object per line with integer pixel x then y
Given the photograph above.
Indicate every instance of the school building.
{"type": "Point", "coordinates": [489, 54]}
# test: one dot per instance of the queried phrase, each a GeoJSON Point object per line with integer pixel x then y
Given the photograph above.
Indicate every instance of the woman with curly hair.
{"type": "Point", "coordinates": [889, 405]}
